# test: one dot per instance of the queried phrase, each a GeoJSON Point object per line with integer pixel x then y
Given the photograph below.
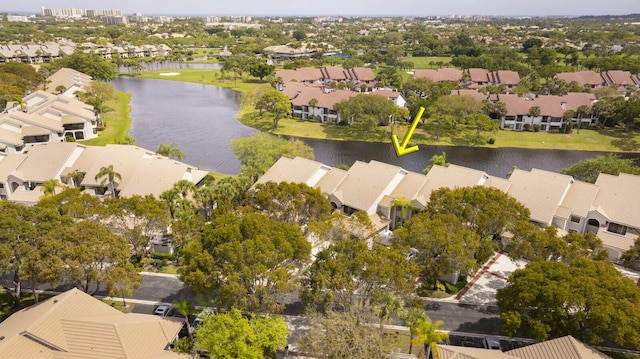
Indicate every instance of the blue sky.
{"type": "Point", "coordinates": [340, 7]}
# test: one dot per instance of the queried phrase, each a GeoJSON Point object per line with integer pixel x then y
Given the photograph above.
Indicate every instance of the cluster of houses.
{"type": "Point", "coordinates": [609, 208]}
{"type": "Point", "coordinates": [142, 172]}
{"type": "Point", "coordinates": [314, 92]}
{"type": "Point", "coordinates": [53, 115]}
{"type": "Point", "coordinates": [50, 51]}
{"type": "Point", "coordinates": [306, 84]}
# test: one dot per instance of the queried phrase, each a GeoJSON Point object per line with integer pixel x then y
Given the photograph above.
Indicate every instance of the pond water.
{"type": "Point", "coordinates": [202, 121]}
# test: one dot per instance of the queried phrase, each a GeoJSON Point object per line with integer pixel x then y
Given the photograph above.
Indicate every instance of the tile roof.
{"type": "Point", "coordinates": [561, 348]}
{"type": "Point", "coordinates": [479, 75]}
{"type": "Point", "coordinates": [506, 77]}
{"type": "Point", "coordinates": [540, 191]}
{"type": "Point", "coordinates": [590, 78]}
{"type": "Point", "coordinates": [455, 352]}
{"type": "Point", "coordinates": [439, 75]}
{"type": "Point", "coordinates": [76, 325]}
{"type": "Point", "coordinates": [619, 197]}
{"type": "Point", "coordinates": [619, 77]}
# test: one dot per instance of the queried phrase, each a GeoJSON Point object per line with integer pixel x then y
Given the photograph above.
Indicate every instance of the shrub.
{"type": "Point", "coordinates": [69, 139]}
{"type": "Point", "coordinates": [527, 127]}
{"type": "Point", "coordinates": [161, 256]}
{"type": "Point", "coordinates": [536, 128]}
{"type": "Point", "coordinates": [491, 140]}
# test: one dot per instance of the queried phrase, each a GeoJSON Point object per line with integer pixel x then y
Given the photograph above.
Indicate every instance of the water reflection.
{"type": "Point", "coordinates": [202, 121]}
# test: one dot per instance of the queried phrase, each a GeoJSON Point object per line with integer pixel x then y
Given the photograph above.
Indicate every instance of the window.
{"type": "Point", "coordinates": [617, 228]}
{"type": "Point", "coordinates": [575, 219]}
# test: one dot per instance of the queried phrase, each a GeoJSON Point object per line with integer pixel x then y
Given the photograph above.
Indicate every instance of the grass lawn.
{"type": "Point", "coordinates": [612, 140]}
{"type": "Point", "coordinates": [118, 121]}
{"type": "Point", "coordinates": [207, 77]}
{"type": "Point", "coordinates": [168, 269]}
{"type": "Point", "coordinates": [422, 62]}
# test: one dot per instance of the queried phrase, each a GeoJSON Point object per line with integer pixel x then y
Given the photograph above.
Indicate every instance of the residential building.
{"type": "Point", "coordinates": [480, 77]}
{"type": "Point", "coordinates": [440, 75]}
{"type": "Point", "coordinates": [566, 347]}
{"type": "Point", "coordinates": [71, 80]}
{"type": "Point", "coordinates": [17, 18]}
{"type": "Point", "coordinates": [285, 52]}
{"type": "Point", "coordinates": [301, 95]}
{"type": "Point", "coordinates": [589, 79]}
{"type": "Point", "coordinates": [610, 208]}
{"type": "Point", "coordinates": [34, 54]}
{"type": "Point", "coordinates": [115, 20]}
{"type": "Point", "coordinates": [519, 116]}
{"type": "Point", "coordinates": [76, 325]}
{"type": "Point", "coordinates": [143, 172]}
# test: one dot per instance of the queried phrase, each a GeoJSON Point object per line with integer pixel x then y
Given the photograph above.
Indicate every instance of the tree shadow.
{"type": "Point", "coordinates": [626, 144]}
{"type": "Point", "coordinates": [484, 326]}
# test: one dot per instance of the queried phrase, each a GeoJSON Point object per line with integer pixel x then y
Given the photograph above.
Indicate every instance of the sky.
{"type": "Point", "coordinates": [339, 7]}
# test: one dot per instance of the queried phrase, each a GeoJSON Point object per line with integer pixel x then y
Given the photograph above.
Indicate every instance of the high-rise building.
{"type": "Point", "coordinates": [48, 12]}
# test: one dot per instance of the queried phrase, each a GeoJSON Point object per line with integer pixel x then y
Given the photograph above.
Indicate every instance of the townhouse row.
{"type": "Point", "coordinates": [610, 208]}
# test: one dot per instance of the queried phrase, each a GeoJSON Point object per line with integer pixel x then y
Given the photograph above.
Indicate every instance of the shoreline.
{"type": "Point", "coordinates": [588, 140]}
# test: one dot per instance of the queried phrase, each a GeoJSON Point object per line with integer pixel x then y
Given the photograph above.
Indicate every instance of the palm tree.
{"type": "Point", "coordinates": [49, 187]}
{"type": "Point", "coordinates": [107, 174]}
{"type": "Point", "coordinates": [171, 150]}
{"type": "Point", "coordinates": [410, 318]}
{"type": "Point", "coordinates": [185, 308]}
{"type": "Point", "coordinates": [425, 332]}
{"type": "Point", "coordinates": [387, 304]}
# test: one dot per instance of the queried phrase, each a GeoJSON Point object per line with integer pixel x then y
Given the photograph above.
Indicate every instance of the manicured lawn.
{"type": "Point", "coordinates": [118, 305]}
{"type": "Point", "coordinates": [207, 77]}
{"type": "Point", "coordinates": [589, 140]}
{"type": "Point", "coordinates": [423, 62]}
{"type": "Point", "coordinates": [117, 121]}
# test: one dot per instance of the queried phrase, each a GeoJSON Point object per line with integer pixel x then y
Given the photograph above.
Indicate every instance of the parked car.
{"type": "Point", "coordinates": [201, 316]}
{"type": "Point", "coordinates": [162, 310]}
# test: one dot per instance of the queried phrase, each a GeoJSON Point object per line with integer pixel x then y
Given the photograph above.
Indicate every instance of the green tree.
{"type": "Point", "coordinates": [385, 305]}
{"type": "Point", "coordinates": [231, 335]}
{"type": "Point", "coordinates": [170, 150]}
{"type": "Point", "coordinates": [588, 170]}
{"type": "Point", "coordinates": [631, 258]}
{"type": "Point", "coordinates": [346, 334]}
{"type": "Point", "coordinates": [185, 308]}
{"type": "Point", "coordinates": [486, 211]}
{"type": "Point", "coordinates": [426, 332]}
{"type": "Point", "coordinates": [275, 102]}
{"type": "Point", "coordinates": [88, 63]}
{"type": "Point", "coordinates": [482, 122]}
{"type": "Point", "coordinates": [587, 299]}
{"type": "Point", "coordinates": [108, 175]}
{"type": "Point", "coordinates": [348, 274]}
{"type": "Point", "coordinates": [534, 111]}
{"type": "Point", "coordinates": [261, 70]}
{"type": "Point", "coordinates": [49, 187]}
{"type": "Point", "coordinates": [288, 202]}
{"type": "Point", "coordinates": [260, 151]}
{"type": "Point", "coordinates": [436, 160]}
{"type": "Point", "coordinates": [369, 111]}
{"type": "Point", "coordinates": [91, 251]}
{"type": "Point", "coordinates": [444, 245]}
{"type": "Point", "coordinates": [243, 261]}
{"type": "Point", "coordinates": [411, 318]}
{"type": "Point", "coordinates": [122, 280]}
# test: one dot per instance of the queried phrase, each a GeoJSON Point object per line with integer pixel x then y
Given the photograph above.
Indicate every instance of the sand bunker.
{"type": "Point", "coordinates": [169, 73]}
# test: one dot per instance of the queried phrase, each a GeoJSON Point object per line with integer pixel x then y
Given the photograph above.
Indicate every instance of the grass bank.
{"type": "Point", "coordinates": [117, 121]}
{"type": "Point", "coordinates": [206, 77]}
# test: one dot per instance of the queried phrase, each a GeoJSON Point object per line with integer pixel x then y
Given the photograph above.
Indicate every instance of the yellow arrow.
{"type": "Point", "coordinates": [401, 149]}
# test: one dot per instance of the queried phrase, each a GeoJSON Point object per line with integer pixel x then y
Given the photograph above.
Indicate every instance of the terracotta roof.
{"type": "Point", "coordinates": [619, 77]}
{"type": "Point", "coordinates": [553, 106]}
{"type": "Point", "coordinates": [506, 77]}
{"type": "Point", "coordinates": [479, 75]}
{"type": "Point", "coordinates": [561, 348]}
{"type": "Point", "coordinates": [469, 92]}
{"type": "Point", "coordinates": [590, 78]}
{"type": "Point", "coordinates": [444, 74]}
{"type": "Point", "coordinates": [300, 75]}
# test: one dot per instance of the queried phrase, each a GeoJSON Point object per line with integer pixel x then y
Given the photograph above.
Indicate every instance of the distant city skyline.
{"type": "Point", "coordinates": [341, 7]}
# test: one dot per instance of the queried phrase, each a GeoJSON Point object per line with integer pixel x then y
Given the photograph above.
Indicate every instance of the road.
{"type": "Point", "coordinates": [456, 317]}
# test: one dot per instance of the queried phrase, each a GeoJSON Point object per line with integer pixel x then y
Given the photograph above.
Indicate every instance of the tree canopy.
{"type": "Point", "coordinates": [233, 335]}
{"type": "Point", "coordinates": [587, 299]}
{"type": "Point", "coordinates": [243, 260]}
{"type": "Point", "coordinates": [369, 111]}
{"type": "Point", "coordinates": [589, 169]}
{"type": "Point", "coordinates": [87, 63]}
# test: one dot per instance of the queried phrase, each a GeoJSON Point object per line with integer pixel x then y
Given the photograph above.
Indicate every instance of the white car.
{"type": "Point", "coordinates": [162, 310]}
